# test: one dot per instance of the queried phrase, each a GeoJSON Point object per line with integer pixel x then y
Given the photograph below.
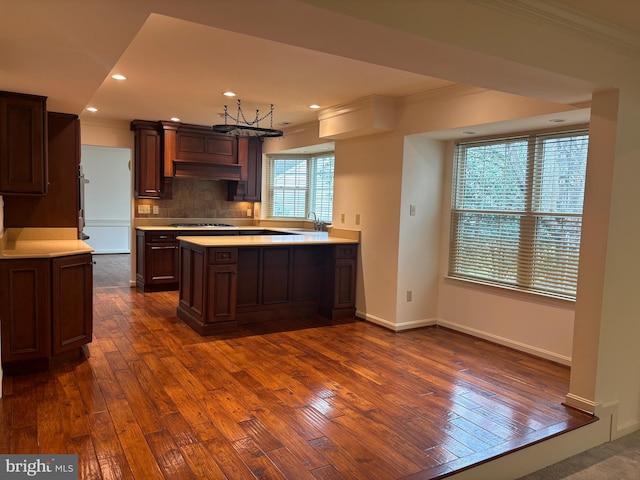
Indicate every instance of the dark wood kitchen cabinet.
{"type": "Point", "coordinates": [72, 302]}
{"type": "Point", "coordinates": [148, 159]}
{"type": "Point", "coordinates": [223, 286]}
{"type": "Point", "coordinates": [23, 145]}
{"type": "Point", "coordinates": [249, 188]}
{"type": "Point", "coordinates": [339, 286]}
{"type": "Point", "coordinates": [60, 206]}
{"type": "Point", "coordinates": [208, 285]}
{"type": "Point", "coordinates": [46, 306]}
{"type": "Point", "coordinates": [25, 309]}
{"type": "Point", "coordinates": [157, 260]}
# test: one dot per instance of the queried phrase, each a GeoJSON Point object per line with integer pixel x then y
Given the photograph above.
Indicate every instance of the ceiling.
{"type": "Point", "coordinates": [177, 68]}
{"type": "Point", "coordinates": [67, 50]}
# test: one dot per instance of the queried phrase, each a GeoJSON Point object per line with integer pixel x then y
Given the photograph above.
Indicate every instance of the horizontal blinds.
{"type": "Point", "coordinates": [322, 187]}
{"type": "Point", "coordinates": [287, 185]}
{"type": "Point", "coordinates": [517, 211]}
{"type": "Point", "coordinates": [299, 185]}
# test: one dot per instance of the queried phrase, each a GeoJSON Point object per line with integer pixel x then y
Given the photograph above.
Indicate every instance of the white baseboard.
{"type": "Point", "coordinates": [396, 327]}
{"type": "Point", "coordinates": [580, 403]}
{"type": "Point", "coordinates": [523, 347]}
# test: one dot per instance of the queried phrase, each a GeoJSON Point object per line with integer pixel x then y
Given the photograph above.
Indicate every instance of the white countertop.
{"type": "Point", "coordinates": [41, 243]}
{"type": "Point", "coordinates": [300, 237]}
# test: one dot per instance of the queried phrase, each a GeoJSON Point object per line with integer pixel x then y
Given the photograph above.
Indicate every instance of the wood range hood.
{"type": "Point", "coordinates": [194, 151]}
{"type": "Point", "coordinates": [166, 150]}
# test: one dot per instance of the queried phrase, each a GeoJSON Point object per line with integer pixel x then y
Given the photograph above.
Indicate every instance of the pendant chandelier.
{"type": "Point", "coordinates": [241, 127]}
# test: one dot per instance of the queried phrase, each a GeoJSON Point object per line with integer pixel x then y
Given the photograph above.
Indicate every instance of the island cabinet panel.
{"type": "Point", "coordinates": [306, 274]}
{"type": "Point", "coordinates": [192, 282]}
{"type": "Point", "coordinates": [207, 296]}
{"type": "Point", "coordinates": [25, 309]}
{"type": "Point", "coordinates": [221, 293]}
{"type": "Point", "coordinates": [243, 283]}
{"type": "Point", "coordinates": [72, 290]}
{"type": "Point", "coordinates": [339, 285]}
{"type": "Point", "coordinates": [249, 277]}
{"type": "Point", "coordinates": [23, 146]}
{"type": "Point", "coordinates": [275, 272]}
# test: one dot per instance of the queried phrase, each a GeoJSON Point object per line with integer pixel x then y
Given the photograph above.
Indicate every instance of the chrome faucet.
{"type": "Point", "coordinates": [317, 224]}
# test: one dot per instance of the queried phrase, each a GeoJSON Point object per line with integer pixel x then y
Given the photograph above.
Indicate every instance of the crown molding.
{"type": "Point", "coordinates": [550, 13]}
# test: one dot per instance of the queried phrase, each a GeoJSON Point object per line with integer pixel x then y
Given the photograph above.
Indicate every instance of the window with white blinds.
{"type": "Point", "coordinates": [299, 185]}
{"type": "Point", "coordinates": [517, 211]}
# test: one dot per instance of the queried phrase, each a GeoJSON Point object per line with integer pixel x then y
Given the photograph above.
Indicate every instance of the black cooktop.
{"type": "Point", "coordinates": [201, 225]}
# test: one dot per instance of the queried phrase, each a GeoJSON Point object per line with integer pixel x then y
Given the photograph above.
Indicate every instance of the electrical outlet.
{"type": "Point", "coordinates": [357, 219]}
{"type": "Point", "coordinates": [342, 218]}
{"type": "Point", "coordinates": [412, 210]}
{"type": "Point", "coordinates": [409, 295]}
{"type": "Point", "coordinates": [249, 212]}
{"type": "Point", "coordinates": [156, 210]}
{"type": "Point", "coordinates": [142, 209]}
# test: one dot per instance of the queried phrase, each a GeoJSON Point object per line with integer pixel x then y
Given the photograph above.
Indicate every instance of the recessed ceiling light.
{"type": "Point", "coordinates": [117, 76]}
{"type": "Point", "coordinates": [229, 94]}
{"type": "Point", "coordinates": [557, 120]}
{"type": "Point", "coordinates": [92, 109]}
{"type": "Point", "coordinates": [174, 119]}
{"type": "Point", "coordinates": [314, 106]}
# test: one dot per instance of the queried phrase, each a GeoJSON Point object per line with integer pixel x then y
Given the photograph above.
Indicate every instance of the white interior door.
{"type": "Point", "coordinates": [107, 198]}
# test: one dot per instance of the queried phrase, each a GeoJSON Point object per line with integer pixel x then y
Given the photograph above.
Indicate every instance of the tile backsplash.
{"type": "Point", "coordinates": [195, 198]}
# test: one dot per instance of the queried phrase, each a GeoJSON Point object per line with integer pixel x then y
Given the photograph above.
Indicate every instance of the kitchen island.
{"type": "Point", "coordinates": [46, 297]}
{"type": "Point", "coordinates": [227, 280]}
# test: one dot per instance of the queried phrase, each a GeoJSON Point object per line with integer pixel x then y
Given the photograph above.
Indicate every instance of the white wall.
{"type": "Point", "coordinates": [107, 198]}
{"type": "Point", "coordinates": [418, 266]}
{"type": "Point", "coordinates": [538, 325]}
{"type": "Point", "coordinates": [368, 182]}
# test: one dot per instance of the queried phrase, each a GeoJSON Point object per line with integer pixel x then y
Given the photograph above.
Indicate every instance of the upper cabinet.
{"type": "Point", "coordinates": [23, 146]}
{"type": "Point", "coordinates": [166, 150]}
{"type": "Point", "coordinates": [148, 159]}
{"type": "Point", "coordinates": [249, 187]}
{"type": "Point", "coordinates": [60, 206]}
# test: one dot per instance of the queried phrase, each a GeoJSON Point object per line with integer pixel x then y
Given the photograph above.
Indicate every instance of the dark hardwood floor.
{"type": "Point", "coordinates": [297, 399]}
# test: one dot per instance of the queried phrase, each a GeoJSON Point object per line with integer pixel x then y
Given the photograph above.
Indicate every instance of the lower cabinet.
{"type": "Point", "coordinates": [339, 288]}
{"type": "Point", "coordinates": [71, 302]}
{"type": "Point", "coordinates": [46, 311]}
{"type": "Point", "coordinates": [220, 285]}
{"type": "Point", "coordinates": [156, 261]}
{"type": "Point", "coordinates": [157, 257]}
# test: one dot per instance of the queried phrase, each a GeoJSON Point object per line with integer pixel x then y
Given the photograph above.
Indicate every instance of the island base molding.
{"type": "Point", "coordinates": [270, 318]}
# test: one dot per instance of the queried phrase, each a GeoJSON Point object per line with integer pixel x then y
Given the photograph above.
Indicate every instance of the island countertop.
{"type": "Point", "coordinates": [19, 243]}
{"type": "Point", "coordinates": [299, 237]}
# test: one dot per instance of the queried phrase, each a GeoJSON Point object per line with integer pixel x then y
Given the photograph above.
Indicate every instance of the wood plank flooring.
{"type": "Point", "coordinates": [295, 400]}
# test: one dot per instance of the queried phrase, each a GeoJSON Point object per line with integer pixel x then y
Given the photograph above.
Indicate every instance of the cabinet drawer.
{"type": "Point", "coordinates": [223, 255]}
{"type": "Point", "coordinates": [346, 251]}
{"type": "Point", "coordinates": [157, 237]}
